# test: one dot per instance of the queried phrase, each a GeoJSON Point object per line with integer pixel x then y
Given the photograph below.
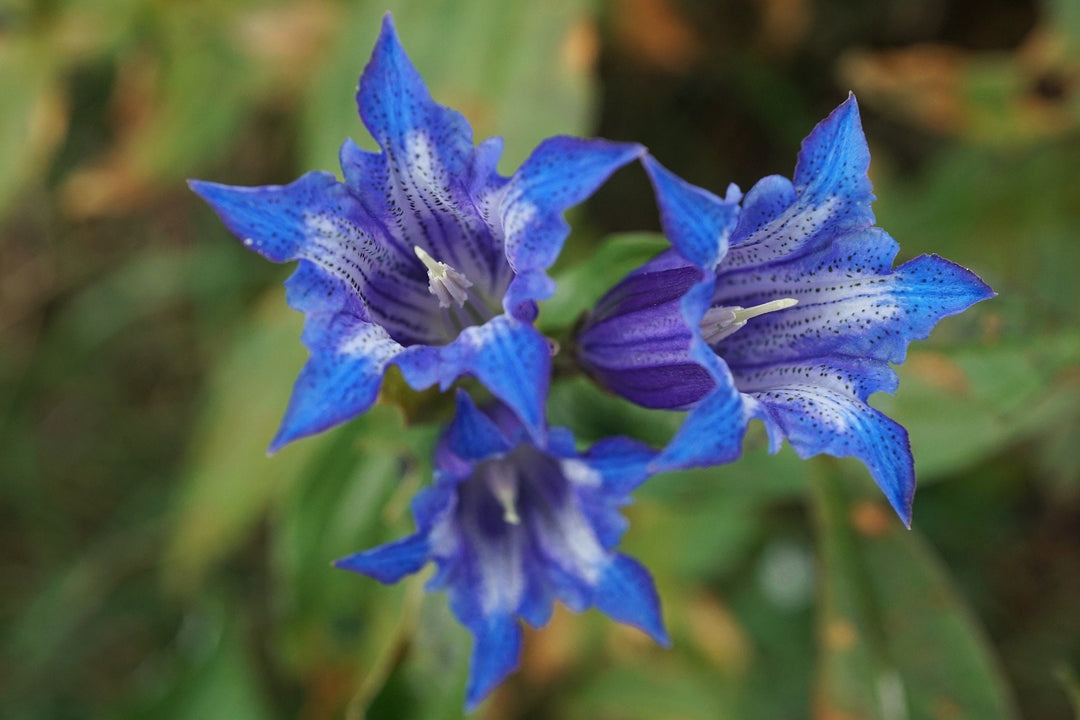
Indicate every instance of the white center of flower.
{"type": "Point", "coordinates": [720, 322]}
{"type": "Point", "coordinates": [444, 282]}
{"type": "Point", "coordinates": [502, 479]}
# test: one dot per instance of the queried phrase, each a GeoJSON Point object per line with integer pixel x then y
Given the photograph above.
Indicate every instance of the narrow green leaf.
{"type": "Point", "coordinates": [896, 643]}
{"type": "Point", "coordinates": [229, 481]}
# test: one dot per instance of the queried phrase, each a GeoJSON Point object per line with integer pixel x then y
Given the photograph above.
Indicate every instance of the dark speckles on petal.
{"type": "Point", "coordinates": [805, 369]}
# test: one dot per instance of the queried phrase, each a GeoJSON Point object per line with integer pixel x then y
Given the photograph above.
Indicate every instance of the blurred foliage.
{"type": "Point", "coordinates": [156, 564]}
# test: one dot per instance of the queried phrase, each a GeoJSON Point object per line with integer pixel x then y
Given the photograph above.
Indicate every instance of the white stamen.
{"type": "Point", "coordinates": [444, 282]}
{"type": "Point", "coordinates": [503, 483]}
{"type": "Point", "coordinates": [720, 322]}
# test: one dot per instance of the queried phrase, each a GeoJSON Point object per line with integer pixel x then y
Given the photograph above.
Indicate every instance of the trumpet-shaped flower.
{"type": "Point", "coordinates": [425, 257]}
{"type": "Point", "coordinates": [786, 309]}
{"type": "Point", "coordinates": [513, 525]}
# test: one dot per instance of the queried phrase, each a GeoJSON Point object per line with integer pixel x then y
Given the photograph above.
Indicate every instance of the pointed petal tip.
{"type": "Point", "coordinates": [496, 655]}
{"type": "Point", "coordinates": [902, 499]}
{"type": "Point", "coordinates": [653, 167]}
{"type": "Point", "coordinates": [291, 431]}
{"type": "Point", "coordinates": [283, 437]}
{"type": "Point", "coordinates": [849, 108]}
{"type": "Point", "coordinates": [463, 400]}
{"type": "Point", "coordinates": [980, 290]}
{"type": "Point", "coordinates": [205, 189]}
{"type": "Point", "coordinates": [387, 29]}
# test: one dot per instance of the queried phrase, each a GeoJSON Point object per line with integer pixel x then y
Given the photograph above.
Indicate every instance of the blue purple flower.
{"type": "Point", "coordinates": [513, 525]}
{"type": "Point", "coordinates": [784, 308]}
{"type": "Point", "coordinates": [425, 257]}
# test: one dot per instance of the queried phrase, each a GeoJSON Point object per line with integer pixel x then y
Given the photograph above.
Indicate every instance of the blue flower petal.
{"type": "Point", "coordinates": [850, 303]}
{"type": "Point", "coordinates": [768, 198]}
{"type": "Point", "coordinates": [560, 173]}
{"type": "Point", "coordinates": [429, 505]}
{"type": "Point", "coordinates": [622, 464]}
{"type": "Point", "coordinates": [636, 344]}
{"type": "Point", "coordinates": [395, 106]}
{"type": "Point", "coordinates": [429, 185]}
{"type": "Point", "coordinates": [697, 223]}
{"type": "Point", "coordinates": [711, 434]}
{"type": "Point", "coordinates": [538, 600]}
{"type": "Point", "coordinates": [473, 435]}
{"type": "Point", "coordinates": [274, 220]}
{"type": "Point", "coordinates": [833, 196]}
{"type": "Point", "coordinates": [348, 355]}
{"type": "Point", "coordinates": [819, 407]}
{"type": "Point", "coordinates": [512, 359]}
{"type": "Point", "coordinates": [391, 562]}
{"type": "Point", "coordinates": [601, 511]}
{"type": "Point", "coordinates": [834, 161]}
{"type": "Point", "coordinates": [342, 377]}
{"type": "Point", "coordinates": [317, 219]}
{"type": "Point", "coordinates": [495, 655]}
{"type": "Point", "coordinates": [626, 592]}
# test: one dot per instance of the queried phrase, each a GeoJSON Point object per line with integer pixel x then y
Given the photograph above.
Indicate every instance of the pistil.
{"type": "Point", "coordinates": [720, 322]}
{"type": "Point", "coordinates": [444, 282]}
{"type": "Point", "coordinates": [502, 479]}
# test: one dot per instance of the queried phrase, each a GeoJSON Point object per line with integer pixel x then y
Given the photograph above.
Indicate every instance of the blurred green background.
{"type": "Point", "coordinates": [154, 563]}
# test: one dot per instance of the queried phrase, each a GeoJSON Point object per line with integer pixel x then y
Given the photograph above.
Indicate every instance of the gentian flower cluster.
{"type": "Point", "coordinates": [781, 305]}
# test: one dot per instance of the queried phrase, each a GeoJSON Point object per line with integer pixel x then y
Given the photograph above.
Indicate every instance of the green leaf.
{"type": "Point", "coordinates": [229, 481]}
{"type": "Point", "coordinates": [353, 496]}
{"type": "Point", "coordinates": [208, 87]}
{"type": "Point", "coordinates": [34, 118]}
{"type": "Point", "coordinates": [652, 691]}
{"type": "Point", "coordinates": [896, 641]}
{"type": "Point", "coordinates": [967, 405]}
{"type": "Point", "coordinates": [219, 679]}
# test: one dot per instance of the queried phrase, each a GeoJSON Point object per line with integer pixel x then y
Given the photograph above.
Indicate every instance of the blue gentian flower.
{"type": "Point", "coordinates": [786, 309]}
{"type": "Point", "coordinates": [512, 525]}
{"type": "Point", "coordinates": [425, 257]}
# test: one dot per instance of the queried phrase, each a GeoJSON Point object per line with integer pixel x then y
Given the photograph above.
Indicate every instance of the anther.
{"type": "Point", "coordinates": [720, 322]}
{"type": "Point", "coordinates": [444, 282]}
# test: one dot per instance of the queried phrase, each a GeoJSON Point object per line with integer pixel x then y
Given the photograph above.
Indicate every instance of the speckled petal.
{"type": "Point", "coordinates": [819, 407]}
{"type": "Point", "coordinates": [850, 303]}
{"type": "Point", "coordinates": [317, 219]}
{"type": "Point", "coordinates": [419, 187]}
{"type": "Point", "coordinates": [831, 196]}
